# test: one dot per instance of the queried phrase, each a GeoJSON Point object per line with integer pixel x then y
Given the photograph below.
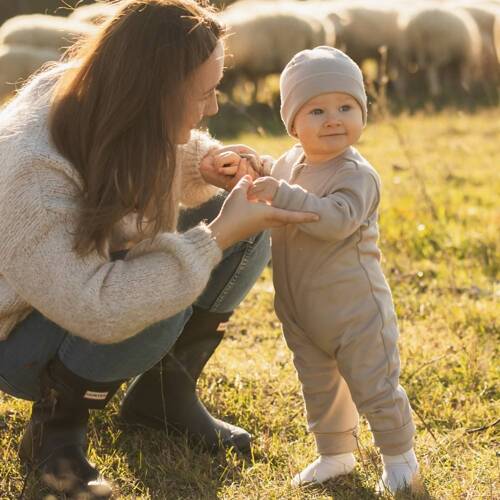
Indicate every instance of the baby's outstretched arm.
{"type": "Point", "coordinates": [341, 212]}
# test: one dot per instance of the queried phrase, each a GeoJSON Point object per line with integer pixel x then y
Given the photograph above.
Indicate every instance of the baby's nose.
{"type": "Point", "coordinates": [332, 120]}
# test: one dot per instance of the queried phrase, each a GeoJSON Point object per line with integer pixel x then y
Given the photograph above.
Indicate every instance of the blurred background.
{"type": "Point", "coordinates": [415, 55]}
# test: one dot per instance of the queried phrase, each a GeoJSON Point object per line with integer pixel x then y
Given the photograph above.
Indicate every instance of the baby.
{"type": "Point", "coordinates": [331, 295]}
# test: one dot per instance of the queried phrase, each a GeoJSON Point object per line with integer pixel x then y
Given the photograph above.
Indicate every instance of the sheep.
{"type": "Point", "coordinates": [95, 13]}
{"type": "Point", "coordinates": [363, 30]}
{"type": "Point", "coordinates": [440, 40]}
{"type": "Point", "coordinates": [18, 63]}
{"type": "Point", "coordinates": [263, 37]}
{"type": "Point", "coordinates": [485, 15]}
{"type": "Point", "coordinates": [40, 30]}
{"type": "Point", "coordinates": [11, 8]}
{"type": "Point", "coordinates": [496, 36]}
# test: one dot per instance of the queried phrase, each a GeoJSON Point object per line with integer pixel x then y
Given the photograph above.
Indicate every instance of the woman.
{"type": "Point", "coordinates": [96, 286]}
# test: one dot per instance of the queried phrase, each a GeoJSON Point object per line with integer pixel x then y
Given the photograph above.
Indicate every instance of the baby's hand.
{"type": "Point", "coordinates": [228, 164]}
{"type": "Point", "coordinates": [263, 189]}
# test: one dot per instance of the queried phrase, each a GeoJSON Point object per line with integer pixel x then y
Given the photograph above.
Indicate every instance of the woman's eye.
{"type": "Point", "coordinates": [345, 107]}
{"type": "Point", "coordinates": [316, 111]}
{"type": "Point", "coordinates": [206, 97]}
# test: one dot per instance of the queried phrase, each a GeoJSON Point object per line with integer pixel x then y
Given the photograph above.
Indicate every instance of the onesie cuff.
{"type": "Point", "coordinates": [289, 197]}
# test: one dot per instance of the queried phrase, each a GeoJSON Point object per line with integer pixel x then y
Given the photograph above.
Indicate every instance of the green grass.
{"type": "Point", "coordinates": [439, 234]}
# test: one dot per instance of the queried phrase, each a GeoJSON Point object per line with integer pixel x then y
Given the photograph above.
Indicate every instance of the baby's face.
{"type": "Point", "coordinates": [328, 124]}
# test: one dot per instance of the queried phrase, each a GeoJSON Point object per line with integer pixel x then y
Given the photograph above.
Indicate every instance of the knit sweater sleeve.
{"type": "Point", "coordinates": [354, 198]}
{"type": "Point", "coordinates": [194, 189]}
{"type": "Point", "coordinates": [91, 297]}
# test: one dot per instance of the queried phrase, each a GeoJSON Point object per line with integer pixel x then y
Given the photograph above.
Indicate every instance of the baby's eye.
{"type": "Point", "coordinates": [316, 111]}
{"type": "Point", "coordinates": [344, 108]}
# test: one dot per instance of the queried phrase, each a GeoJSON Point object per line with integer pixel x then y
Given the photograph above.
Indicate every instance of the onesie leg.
{"type": "Point", "coordinates": [369, 362]}
{"type": "Point", "coordinates": [331, 414]}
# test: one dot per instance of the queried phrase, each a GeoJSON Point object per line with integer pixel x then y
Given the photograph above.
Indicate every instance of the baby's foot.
{"type": "Point", "coordinates": [400, 472]}
{"type": "Point", "coordinates": [324, 468]}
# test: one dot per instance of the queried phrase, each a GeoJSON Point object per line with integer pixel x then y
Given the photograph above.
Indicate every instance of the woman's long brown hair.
{"type": "Point", "coordinates": [115, 115]}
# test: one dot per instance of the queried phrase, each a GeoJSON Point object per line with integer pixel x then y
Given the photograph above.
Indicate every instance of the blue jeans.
{"type": "Point", "coordinates": [37, 340]}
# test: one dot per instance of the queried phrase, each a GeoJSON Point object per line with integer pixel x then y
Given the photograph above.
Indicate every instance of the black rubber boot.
{"type": "Point", "coordinates": [55, 441]}
{"type": "Point", "coordinates": [165, 397]}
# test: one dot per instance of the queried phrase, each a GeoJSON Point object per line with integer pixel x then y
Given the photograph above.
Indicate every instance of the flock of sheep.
{"type": "Point", "coordinates": [439, 46]}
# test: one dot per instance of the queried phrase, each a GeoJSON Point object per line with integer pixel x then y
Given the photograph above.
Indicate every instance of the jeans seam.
{"type": "Point", "coordinates": [65, 346]}
{"type": "Point", "coordinates": [229, 285]}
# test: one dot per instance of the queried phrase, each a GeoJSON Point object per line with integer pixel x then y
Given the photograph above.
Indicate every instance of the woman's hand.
{"type": "Point", "coordinates": [225, 170]}
{"type": "Point", "coordinates": [264, 189]}
{"type": "Point", "coordinates": [240, 218]}
{"type": "Point", "coordinates": [224, 167]}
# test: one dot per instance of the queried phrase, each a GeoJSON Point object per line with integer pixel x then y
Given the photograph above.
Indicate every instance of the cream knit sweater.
{"type": "Point", "coordinates": [91, 297]}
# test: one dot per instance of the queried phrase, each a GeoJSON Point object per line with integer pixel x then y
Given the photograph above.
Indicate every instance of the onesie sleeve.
{"type": "Point", "coordinates": [354, 198]}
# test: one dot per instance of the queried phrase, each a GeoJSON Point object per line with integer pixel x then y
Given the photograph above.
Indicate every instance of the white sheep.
{"type": "Point", "coordinates": [263, 37]}
{"type": "Point", "coordinates": [496, 36]}
{"type": "Point", "coordinates": [18, 63]}
{"type": "Point", "coordinates": [441, 40]}
{"type": "Point", "coordinates": [485, 15]}
{"type": "Point", "coordinates": [365, 29]}
{"type": "Point", "coordinates": [95, 13]}
{"type": "Point", "coordinates": [40, 30]}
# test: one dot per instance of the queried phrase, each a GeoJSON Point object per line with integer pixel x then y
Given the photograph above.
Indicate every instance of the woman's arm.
{"type": "Point", "coordinates": [195, 188]}
{"type": "Point", "coordinates": [94, 298]}
{"type": "Point", "coordinates": [201, 175]}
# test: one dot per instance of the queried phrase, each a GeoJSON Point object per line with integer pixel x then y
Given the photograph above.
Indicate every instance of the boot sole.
{"type": "Point", "coordinates": [137, 420]}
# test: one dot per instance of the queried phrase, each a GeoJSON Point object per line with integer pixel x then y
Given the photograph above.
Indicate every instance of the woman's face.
{"type": "Point", "coordinates": [202, 100]}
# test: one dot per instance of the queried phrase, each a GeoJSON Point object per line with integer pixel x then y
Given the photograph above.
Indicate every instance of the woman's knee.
{"type": "Point", "coordinates": [24, 354]}
{"type": "Point", "coordinates": [127, 359]}
{"type": "Point", "coordinates": [232, 279]}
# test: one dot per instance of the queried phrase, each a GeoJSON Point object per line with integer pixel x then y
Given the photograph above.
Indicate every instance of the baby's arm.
{"type": "Point", "coordinates": [342, 212]}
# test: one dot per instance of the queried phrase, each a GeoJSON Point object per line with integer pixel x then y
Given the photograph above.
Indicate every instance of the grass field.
{"type": "Point", "coordinates": [440, 223]}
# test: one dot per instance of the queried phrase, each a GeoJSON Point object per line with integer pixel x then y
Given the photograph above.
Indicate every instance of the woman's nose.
{"type": "Point", "coordinates": [212, 106]}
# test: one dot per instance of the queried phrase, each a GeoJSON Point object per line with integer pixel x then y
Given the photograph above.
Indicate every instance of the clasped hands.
{"type": "Point", "coordinates": [224, 167]}
{"type": "Point", "coordinates": [247, 209]}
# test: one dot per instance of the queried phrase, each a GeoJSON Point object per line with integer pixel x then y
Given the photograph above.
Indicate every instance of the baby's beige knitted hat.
{"type": "Point", "coordinates": [318, 71]}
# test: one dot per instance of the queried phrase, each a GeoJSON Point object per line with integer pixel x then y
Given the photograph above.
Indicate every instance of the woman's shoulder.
{"type": "Point", "coordinates": [26, 147]}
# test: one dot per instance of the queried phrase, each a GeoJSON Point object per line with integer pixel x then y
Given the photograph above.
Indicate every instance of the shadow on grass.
{"type": "Point", "coordinates": [353, 486]}
{"type": "Point", "coordinates": [164, 463]}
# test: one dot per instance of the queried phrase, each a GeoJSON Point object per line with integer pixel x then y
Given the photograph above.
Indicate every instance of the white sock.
{"type": "Point", "coordinates": [400, 471]}
{"type": "Point", "coordinates": [325, 467]}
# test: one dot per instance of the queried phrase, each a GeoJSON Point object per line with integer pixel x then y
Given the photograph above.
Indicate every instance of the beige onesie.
{"type": "Point", "coordinates": [335, 304]}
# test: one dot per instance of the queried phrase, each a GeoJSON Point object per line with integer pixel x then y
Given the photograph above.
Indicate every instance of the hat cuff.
{"type": "Point", "coordinates": [316, 85]}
